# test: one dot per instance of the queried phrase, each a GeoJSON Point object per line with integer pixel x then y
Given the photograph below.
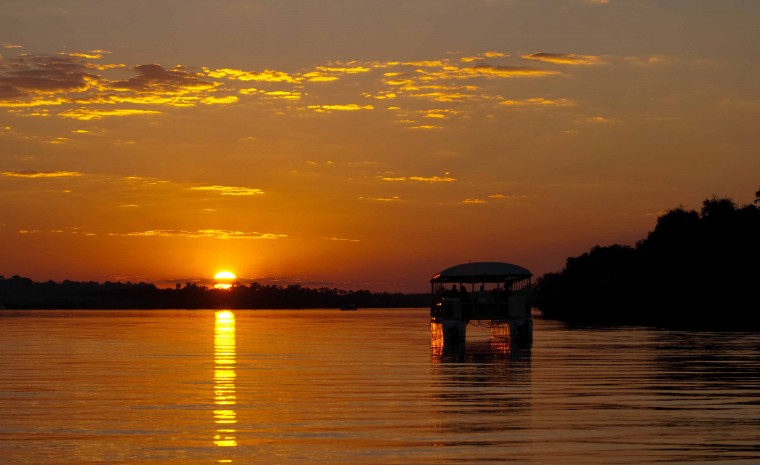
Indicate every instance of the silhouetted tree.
{"type": "Point", "coordinates": [692, 268]}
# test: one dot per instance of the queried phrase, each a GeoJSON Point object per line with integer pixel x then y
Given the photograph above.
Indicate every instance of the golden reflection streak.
{"type": "Point", "coordinates": [436, 340]}
{"type": "Point", "coordinates": [225, 416]}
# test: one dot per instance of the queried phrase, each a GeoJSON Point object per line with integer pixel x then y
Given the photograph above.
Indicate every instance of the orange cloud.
{"type": "Point", "coordinates": [58, 140]}
{"type": "Point", "coordinates": [92, 54]}
{"type": "Point", "coordinates": [599, 120]}
{"type": "Point", "coordinates": [41, 174]}
{"type": "Point", "coordinates": [203, 233]}
{"type": "Point", "coordinates": [331, 73]}
{"type": "Point", "coordinates": [341, 239]}
{"type": "Point", "coordinates": [277, 94]}
{"type": "Point", "coordinates": [240, 75]}
{"type": "Point", "coordinates": [318, 76]}
{"type": "Point", "coordinates": [507, 71]}
{"type": "Point", "coordinates": [68, 230]}
{"type": "Point", "coordinates": [224, 100]}
{"type": "Point", "coordinates": [426, 63]}
{"type": "Point", "coordinates": [493, 197]}
{"type": "Point", "coordinates": [564, 58]}
{"type": "Point", "coordinates": [344, 69]}
{"type": "Point", "coordinates": [482, 70]}
{"type": "Point", "coordinates": [539, 101]}
{"type": "Point", "coordinates": [470, 59]}
{"type": "Point", "coordinates": [443, 96]}
{"type": "Point", "coordinates": [428, 179]}
{"type": "Point", "coordinates": [39, 102]}
{"type": "Point", "coordinates": [229, 190]}
{"type": "Point", "coordinates": [104, 67]}
{"type": "Point", "coordinates": [439, 113]}
{"type": "Point", "coordinates": [88, 114]}
{"type": "Point", "coordinates": [345, 107]}
{"type": "Point", "coordinates": [424, 127]}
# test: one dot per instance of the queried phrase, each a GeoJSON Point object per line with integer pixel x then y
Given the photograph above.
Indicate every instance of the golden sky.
{"type": "Point", "coordinates": [361, 144]}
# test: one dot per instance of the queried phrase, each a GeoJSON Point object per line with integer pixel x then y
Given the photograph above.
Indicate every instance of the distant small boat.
{"type": "Point", "coordinates": [348, 307]}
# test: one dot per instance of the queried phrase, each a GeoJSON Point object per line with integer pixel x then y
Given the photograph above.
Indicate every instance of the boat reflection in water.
{"type": "Point", "coordinates": [497, 345]}
{"type": "Point", "coordinates": [225, 417]}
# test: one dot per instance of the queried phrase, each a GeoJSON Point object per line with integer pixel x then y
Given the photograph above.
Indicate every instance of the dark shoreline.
{"type": "Point", "coordinates": [19, 293]}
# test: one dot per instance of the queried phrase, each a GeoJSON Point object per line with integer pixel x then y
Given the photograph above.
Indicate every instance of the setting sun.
{"type": "Point", "coordinates": [224, 280]}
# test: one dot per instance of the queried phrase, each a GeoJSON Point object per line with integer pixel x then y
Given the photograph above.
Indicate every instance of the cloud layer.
{"type": "Point", "coordinates": [81, 86]}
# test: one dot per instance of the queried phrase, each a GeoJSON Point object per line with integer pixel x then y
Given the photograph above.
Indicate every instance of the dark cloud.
{"type": "Point", "coordinates": [27, 74]}
{"type": "Point", "coordinates": [156, 78]}
{"type": "Point", "coordinates": [7, 91]}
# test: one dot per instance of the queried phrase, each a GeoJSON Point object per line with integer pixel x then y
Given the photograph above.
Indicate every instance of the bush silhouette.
{"type": "Point", "coordinates": [692, 269]}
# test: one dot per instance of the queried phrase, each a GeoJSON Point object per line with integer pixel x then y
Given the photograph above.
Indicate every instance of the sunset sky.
{"type": "Point", "coordinates": [362, 144]}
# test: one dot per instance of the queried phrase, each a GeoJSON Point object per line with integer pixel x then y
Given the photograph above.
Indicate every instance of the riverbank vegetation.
{"type": "Point", "coordinates": [23, 293]}
{"type": "Point", "coordinates": [695, 268]}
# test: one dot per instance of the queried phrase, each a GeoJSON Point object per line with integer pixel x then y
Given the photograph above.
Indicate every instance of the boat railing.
{"type": "Point", "coordinates": [455, 308]}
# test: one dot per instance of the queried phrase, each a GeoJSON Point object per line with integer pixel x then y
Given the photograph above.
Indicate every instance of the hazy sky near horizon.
{"type": "Point", "coordinates": [362, 143]}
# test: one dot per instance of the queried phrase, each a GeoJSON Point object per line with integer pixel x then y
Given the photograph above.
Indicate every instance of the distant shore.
{"type": "Point", "coordinates": [22, 293]}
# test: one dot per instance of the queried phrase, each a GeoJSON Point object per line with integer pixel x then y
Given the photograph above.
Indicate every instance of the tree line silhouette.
{"type": "Point", "coordinates": [23, 293]}
{"type": "Point", "coordinates": [694, 269]}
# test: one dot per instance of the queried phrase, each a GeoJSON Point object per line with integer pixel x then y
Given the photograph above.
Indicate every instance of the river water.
{"type": "Point", "coordinates": [365, 387]}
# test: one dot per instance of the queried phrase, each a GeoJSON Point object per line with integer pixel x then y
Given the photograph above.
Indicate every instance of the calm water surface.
{"type": "Point", "coordinates": [331, 387]}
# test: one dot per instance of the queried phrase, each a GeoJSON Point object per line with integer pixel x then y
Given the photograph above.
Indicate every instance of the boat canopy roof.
{"type": "Point", "coordinates": [482, 272]}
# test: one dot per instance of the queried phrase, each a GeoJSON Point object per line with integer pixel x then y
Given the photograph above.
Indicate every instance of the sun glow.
{"type": "Point", "coordinates": [224, 280]}
{"type": "Point", "coordinates": [224, 275]}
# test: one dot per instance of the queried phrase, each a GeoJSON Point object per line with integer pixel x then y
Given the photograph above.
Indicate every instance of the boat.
{"type": "Point", "coordinates": [348, 307]}
{"type": "Point", "coordinates": [495, 294]}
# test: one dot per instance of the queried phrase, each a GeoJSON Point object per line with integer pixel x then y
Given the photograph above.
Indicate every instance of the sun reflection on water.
{"type": "Point", "coordinates": [225, 416]}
